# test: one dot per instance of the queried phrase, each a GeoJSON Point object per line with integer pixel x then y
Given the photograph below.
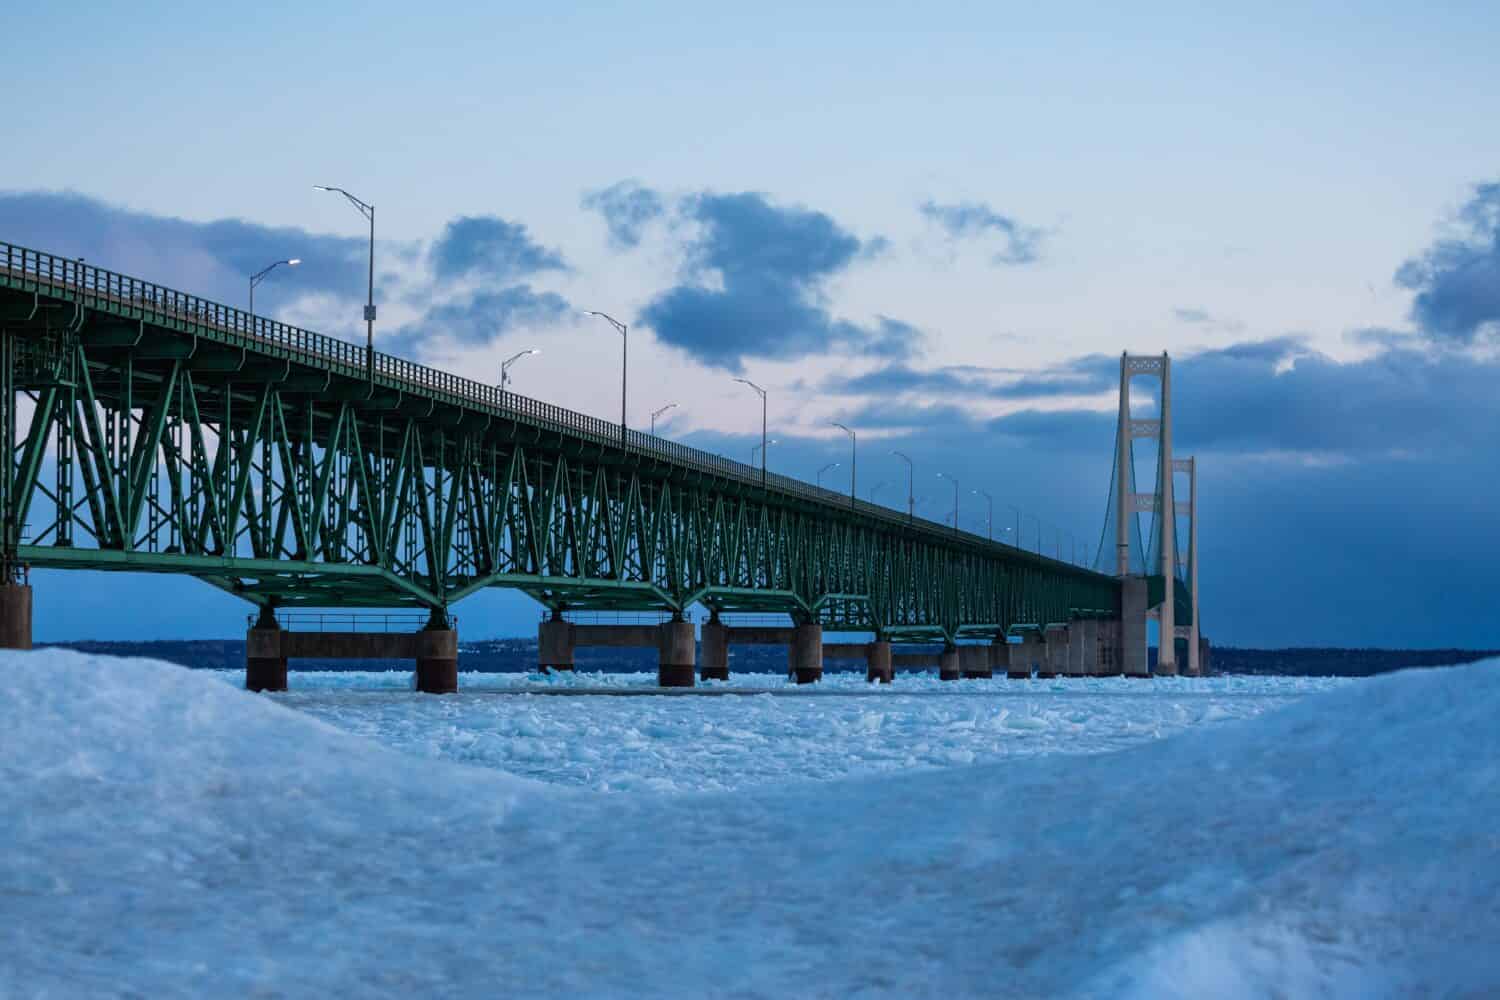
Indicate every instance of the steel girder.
{"type": "Point", "coordinates": [149, 432]}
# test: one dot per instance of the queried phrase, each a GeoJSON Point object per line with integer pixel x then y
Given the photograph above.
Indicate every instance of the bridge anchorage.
{"type": "Point", "coordinates": [152, 431]}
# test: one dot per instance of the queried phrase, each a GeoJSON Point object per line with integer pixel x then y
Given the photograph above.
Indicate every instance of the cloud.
{"type": "Point", "coordinates": [1195, 316]}
{"type": "Point", "coordinates": [757, 273]}
{"type": "Point", "coordinates": [1457, 280]}
{"type": "Point", "coordinates": [971, 219]}
{"type": "Point", "coordinates": [490, 248]}
{"type": "Point", "coordinates": [482, 317]}
{"type": "Point", "coordinates": [1080, 377]}
{"type": "Point", "coordinates": [627, 208]}
{"type": "Point", "coordinates": [211, 259]}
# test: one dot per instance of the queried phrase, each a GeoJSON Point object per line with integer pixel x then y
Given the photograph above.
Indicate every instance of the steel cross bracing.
{"type": "Point", "coordinates": [151, 430]}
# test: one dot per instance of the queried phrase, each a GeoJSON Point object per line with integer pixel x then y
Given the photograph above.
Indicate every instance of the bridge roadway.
{"type": "Point", "coordinates": [156, 431]}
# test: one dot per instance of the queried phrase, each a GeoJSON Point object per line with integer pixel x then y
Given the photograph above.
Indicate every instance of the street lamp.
{"type": "Point", "coordinates": [830, 465]}
{"type": "Point", "coordinates": [1038, 532]}
{"type": "Point", "coordinates": [260, 276]}
{"type": "Point", "coordinates": [989, 521]}
{"type": "Point", "coordinates": [911, 502]}
{"type": "Point", "coordinates": [657, 413]}
{"type": "Point", "coordinates": [853, 458]}
{"type": "Point", "coordinates": [368, 211]}
{"type": "Point", "coordinates": [505, 365]}
{"type": "Point", "coordinates": [745, 381]}
{"type": "Point", "coordinates": [1016, 538]}
{"type": "Point", "coordinates": [944, 475]}
{"type": "Point", "coordinates": [760, 447]}
{"type": "Point", "coordinates": [624, 357]}
{"type": "Point", "coordinates": [876, 489]}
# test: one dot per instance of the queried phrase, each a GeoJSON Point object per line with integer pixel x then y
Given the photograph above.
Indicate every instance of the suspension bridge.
{"type": "Point", "coordinates": [150, 430]}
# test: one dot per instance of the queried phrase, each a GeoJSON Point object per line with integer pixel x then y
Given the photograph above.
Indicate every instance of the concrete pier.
{"type": "Point", "coordinates": [265, 663]}
{"type": "Point", "coordinates": [437, 657]}
{"type": "Point", "coordinates": [1055, 657]}
{"type": "Point", "coordinates": [974, 662]}
{"type": "Point", "coordinates": [676, 648]}
{"type": "Point", "coordinates": [1025, 657]}
{"type": "Point", "coordinates": [555, 642]}
{"type": "Point", "coordinates": [948, 668]}
{"type": "Point", "coordinates": [15, 616]}
{"type": "Point", "coordinates": [1086, 638]}
{"type": "Point", "coordinates": [805, 653]}
{"type": "Point", "coordinates": [915, 661]}
{"type": "Point", "coordinates": [1074, 666]}
{"type": "Point", "coordinates": [715, 651]}
{"type": "Point", "coordinates": [878, 665]}
{"type": "Point", "coordinates": [1133, 627]}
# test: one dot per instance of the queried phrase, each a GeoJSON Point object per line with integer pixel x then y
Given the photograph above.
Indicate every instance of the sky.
{"type": "Point", "coordinates": [940, 224]}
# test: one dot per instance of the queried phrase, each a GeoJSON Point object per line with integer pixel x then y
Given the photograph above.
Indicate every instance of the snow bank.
{"type": "Point", "coordinates": [167, 835]}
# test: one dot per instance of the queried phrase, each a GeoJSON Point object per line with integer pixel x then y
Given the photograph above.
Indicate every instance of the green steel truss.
{"type": "Point", "coordinates": [153, 431]}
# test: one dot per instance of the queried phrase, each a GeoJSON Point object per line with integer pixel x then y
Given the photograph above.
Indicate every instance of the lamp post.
{"type": "Point", "coordinates": [745, 381]}
{"type": "Point", "coordinates": [624, 359]}
{"type": "Point", "coordinates": [260, 276]}
{"type": "Point", "coordinates": [944, 475]}
{"type": "Point", "coordinates": [989, 521]}
{"type": "Point", "coordinates": [1038, 532]}
{"type": "Point", "coordinates": [505, 365]}
{"type": "Point", "coordinates": [853, 458]}
{"type": "Point", "coordinates": [761, 447]}
{"type": "Point", "coordinates": [657, 413]}
{"type": "Point", "coordinates": [1015, 539]}
{"type": "Point", "coordinates": [911, 501]}
{"type": "Point", "coordinates": [368, 211]}
{"type": "Point", "coordinates": [876, 489]}
{"type": "Point", "coordinates": [830, 465]}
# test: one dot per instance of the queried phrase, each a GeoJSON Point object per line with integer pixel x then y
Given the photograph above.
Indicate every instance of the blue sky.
{"type": "Point", "coordinates": [941, 222]}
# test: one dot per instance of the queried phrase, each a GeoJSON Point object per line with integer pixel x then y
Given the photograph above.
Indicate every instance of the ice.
{"type": "Point", "coordinates": [168, 835]}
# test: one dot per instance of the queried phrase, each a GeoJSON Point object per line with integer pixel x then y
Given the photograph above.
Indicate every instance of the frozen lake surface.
{"type": "Point", "coordinates": [839, 727]}
{"type": "Point", "coordinates": [168, 835]}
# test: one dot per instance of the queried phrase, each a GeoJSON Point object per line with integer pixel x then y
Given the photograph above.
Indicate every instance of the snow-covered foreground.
{"type": "Point", "coordinates": [167, 835]}
{"type": "Point", "coordinates": [837, 728]}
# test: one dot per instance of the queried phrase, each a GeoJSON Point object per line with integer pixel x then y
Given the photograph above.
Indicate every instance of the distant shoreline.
{"type": "Point", "coordinates": [504, 656]}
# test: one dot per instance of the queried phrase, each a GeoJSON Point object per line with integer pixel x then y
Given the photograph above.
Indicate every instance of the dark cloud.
{"type": "Point", "coordinates": [482, 317]}
{"type": "Point", "coordinates": [627, 208]}
{"type": "Point", "coordinates": [758, 271]}
{"type": "Point", "coordinates": [1196, 316]}
{"type": "Point", "coordinates": [1457, 280]}
{"type": "Point", "coordinates": [490, 248]}
{"type": "Point", "coordinates": [1023, 244]}
{"type": "Point", "coordinates": [1080, 377]}
{"type": "Point", "coordinates": [211, 259]}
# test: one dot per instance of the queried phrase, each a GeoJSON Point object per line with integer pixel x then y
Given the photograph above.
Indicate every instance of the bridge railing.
{"type": "Point", "coordinates": [93, 286]}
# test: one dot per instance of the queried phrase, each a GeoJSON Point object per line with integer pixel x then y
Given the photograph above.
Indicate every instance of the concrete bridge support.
{"type": "Point", "coordinates": [265, 659]}
{"type": "Point", "coordinates": [1026, 656]}
{"type": "Point", "coordinates": [15, 616]}
{"type": "Point", "coordinates": [805, 653]}
{"type": "Point", "coordinates": [999, 651]}
{"type": "Point", "coordinates": [1133, 627]}
{"type": "Point", "coordinates": [1055, 657]}
{"type": "Point", "coordinates": [1074, 666]}
{"type": "Point", "coordinates": [948, 668]}
{"type": "Point", "coordinates": [676, 649]}
{"type": "Point", "coordinates": [1084, 637]}
{"type": "Point", "coordinates": [555, 641]}
{"type": "Point", "coordinates": [974, 662]}
{"type": "Point", "coordinates": [878, 665]}
{"type": "Point", "coordinates": [437, 657]}
{"type": "Point", "coordinates": [715, 651]}
{"type": "Point", "coordinates": [1108, 664]}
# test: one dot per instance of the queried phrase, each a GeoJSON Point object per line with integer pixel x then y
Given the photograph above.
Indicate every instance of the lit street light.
{"type": "Point", "coordinates": [624, 358]}
{"type": "Point", "coordinates": [763, 449]}
{"type": "Point", "coordinates": [368, 211]}
{"type": "Point", "coordinates": [260, 276]}
{"type": "Point", "coordinates": [989, 521]}
{"type": "Point", "coordinates": [911, 502]}
{"type": "Point", "coordinates": [657, 413]}
{"type": "Point", "coordinates": [505, 365]}
{"type": "Point", "coordinates": [830, 465]}
{"type": "Point", "coordinates": [853, 458]}
{"type": "Point", "coordinates": [944, 475]}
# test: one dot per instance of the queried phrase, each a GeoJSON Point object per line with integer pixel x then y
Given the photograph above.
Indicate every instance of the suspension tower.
{"type": "Point", "coordinates": [1160, 559]}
